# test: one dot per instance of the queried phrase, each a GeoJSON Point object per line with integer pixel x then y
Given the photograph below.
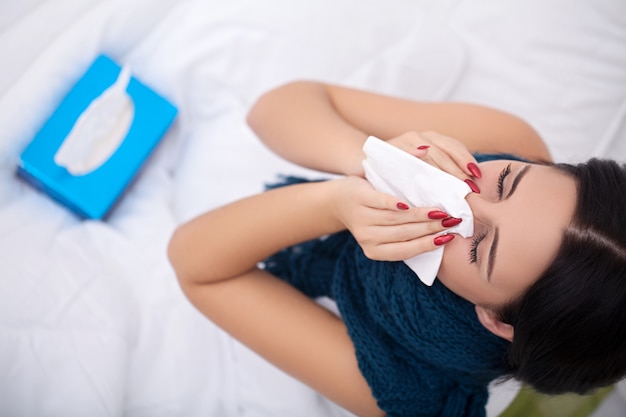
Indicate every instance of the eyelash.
{"type": "Point", "coordinates": [474, 247]}
{"type": "Point", "coordinates": [505, 172]}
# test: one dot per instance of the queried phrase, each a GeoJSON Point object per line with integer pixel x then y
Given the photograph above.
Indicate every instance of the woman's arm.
{"type": "Point", "coordinates": [323, 126]}
{"type": "Point", "coordinates": [215, 257]}
{"type": "Point", "coordinates": [290, 331]}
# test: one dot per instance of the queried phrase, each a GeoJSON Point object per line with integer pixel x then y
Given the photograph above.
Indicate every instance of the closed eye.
{"type": "Point", "coordinates": [505, 172]}
{"type": "Point", "coordinates": [473, 254]}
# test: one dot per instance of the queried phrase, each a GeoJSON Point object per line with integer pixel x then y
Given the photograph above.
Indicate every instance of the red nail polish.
{"type": "Point", "coordinates": [473, 168]}
{"type": "Point", "coordinates": [437, 214]}
{"type": "Point", "coordinates": [443, 239]}
{"type": "Point", "coordinates": [402, 206]}
{"type": "Point", "coordinates": [421, 148]}
{"type": "Point", "coordinates": [451, 221]}
{"type": "Point", "coordinates": [473, 186]}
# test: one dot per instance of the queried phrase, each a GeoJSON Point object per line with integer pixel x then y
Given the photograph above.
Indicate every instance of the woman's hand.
{"type": "Point", "coordinates": [386, 228]}
{"type": "Point", "coordinates": [440, 151]}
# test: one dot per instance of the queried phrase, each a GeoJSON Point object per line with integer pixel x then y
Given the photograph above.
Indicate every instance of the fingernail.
{"type": "Point", "coordinates": [451, 221]}
{"type": "Point", "coordinates": [422, 147]}
{"type": "Point", "coordinates": [437, 214]}
{"type": "Point", "coordinates": [402, 206]}
{"type": "Point", "coordinates": [473, 168]}
{"type": "Point", "coordinates": [473, 186]}
{"type": "Point", "coordinates": [443, 239]}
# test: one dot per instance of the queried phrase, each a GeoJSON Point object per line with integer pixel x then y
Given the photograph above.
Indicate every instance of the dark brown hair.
{"type": "Point", "coordinates": [570, 326]}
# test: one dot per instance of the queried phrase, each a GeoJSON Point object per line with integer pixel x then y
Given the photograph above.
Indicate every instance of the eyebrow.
{"type": "Point", "coordinates": [517, 180]}
{"type": "Point", "coordinates": [492, 253]}
{"type": "Point", "coordinates": [494, 243]}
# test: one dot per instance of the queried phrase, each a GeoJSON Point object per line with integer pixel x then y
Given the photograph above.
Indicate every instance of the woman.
{"type": "Point", "coordinates": [537, 293]}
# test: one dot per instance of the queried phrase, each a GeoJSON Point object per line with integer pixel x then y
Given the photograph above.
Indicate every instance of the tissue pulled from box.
{"type": "Point", "coordinates": [99, 130]}
{"type": "Point", "coordinates": [396, 172]}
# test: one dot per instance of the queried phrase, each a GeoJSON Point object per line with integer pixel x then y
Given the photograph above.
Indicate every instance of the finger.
{"type": "Point", "coordinates": [401, 232]}
{"type": "Point", "coordinates": [413, 215]}
{"type": "Point", "coordinates": [412, 143]}
{"type": "Point", "coordinates": [440, 159]}
{"type": "Point", "coordinates": [438, 222]}
{"type": "Point", "coordinates": [435, 222]}
{"type": "Point", "coordinates": [382, 201]}
{"type": "Point", "coordinates": [400, 251]}
{"type": "Point", "coordinates": [446, 164]}
{"type": "Point", "coordinates": [457, 152]}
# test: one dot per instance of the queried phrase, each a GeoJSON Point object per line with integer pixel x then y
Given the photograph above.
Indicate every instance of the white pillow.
{"type": "Point", "coordinates": [561, 65]}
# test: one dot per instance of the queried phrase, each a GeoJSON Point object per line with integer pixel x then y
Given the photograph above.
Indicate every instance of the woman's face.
{"type": "Point", "coordinates": [519, 218]}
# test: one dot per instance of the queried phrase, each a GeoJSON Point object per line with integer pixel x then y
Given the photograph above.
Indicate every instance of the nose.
{"type": "Point", "coordinates": [482, 208]}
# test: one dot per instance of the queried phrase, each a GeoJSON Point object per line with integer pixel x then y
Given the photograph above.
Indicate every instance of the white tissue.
{"type": "Point", "coordinates": [394, 171]}
{"type": "Point", "coordinates": [99, 130]}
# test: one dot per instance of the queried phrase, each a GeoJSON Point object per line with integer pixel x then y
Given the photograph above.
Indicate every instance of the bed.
{"type": "Point", "coordinates": [92, 321]}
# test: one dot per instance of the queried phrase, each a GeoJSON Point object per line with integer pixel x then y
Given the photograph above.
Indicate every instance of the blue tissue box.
{"type": "Point", "coordinates": [92, 194]}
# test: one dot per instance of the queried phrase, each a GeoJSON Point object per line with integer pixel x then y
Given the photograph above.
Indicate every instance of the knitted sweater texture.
{"type": "Point", "coordinates": [421, 349]}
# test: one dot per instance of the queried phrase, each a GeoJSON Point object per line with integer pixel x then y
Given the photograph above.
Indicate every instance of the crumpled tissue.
{"type": "Point", "coordinates": [396, 172]}
{"type": "Point", "coordinates": [99, 130]}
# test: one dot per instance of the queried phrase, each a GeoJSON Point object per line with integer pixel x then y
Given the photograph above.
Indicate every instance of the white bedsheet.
{"type": "Point", "coordinates": [91, 319]}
